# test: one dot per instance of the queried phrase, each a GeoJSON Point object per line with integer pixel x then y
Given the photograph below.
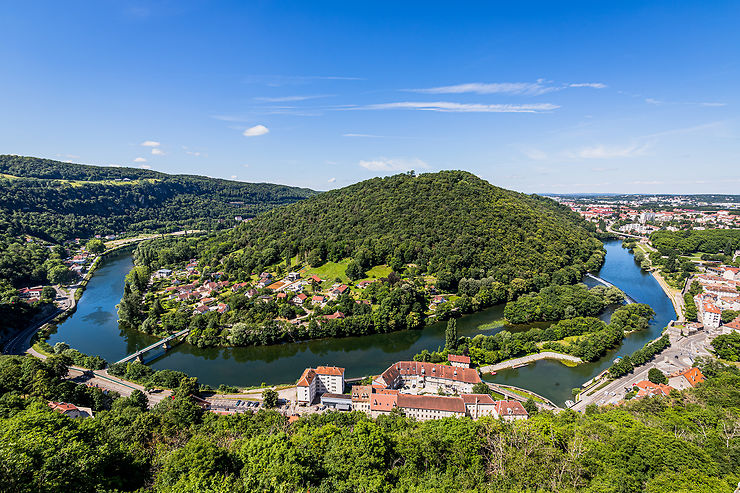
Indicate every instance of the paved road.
{"type": "Point", "coordinates": [680, 354]}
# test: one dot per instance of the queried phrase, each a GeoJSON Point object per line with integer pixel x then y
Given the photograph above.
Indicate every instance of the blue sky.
{"type": "Point", "coordinates": [537, 97]}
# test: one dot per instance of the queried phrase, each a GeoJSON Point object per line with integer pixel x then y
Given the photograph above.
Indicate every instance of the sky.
{"type": "Point", "coordinates": [538, 97]}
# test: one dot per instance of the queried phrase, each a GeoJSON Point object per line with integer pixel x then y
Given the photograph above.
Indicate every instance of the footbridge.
{"type": "Point", "coordinates": [627, 298]}
{"type": "Point", "coordinates": [165, 344]}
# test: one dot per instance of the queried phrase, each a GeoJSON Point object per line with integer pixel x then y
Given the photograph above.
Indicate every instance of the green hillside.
{"type": "Point", "coordinates": [451, 224]}
{"type": "Point", "coordinates": [57, 201]}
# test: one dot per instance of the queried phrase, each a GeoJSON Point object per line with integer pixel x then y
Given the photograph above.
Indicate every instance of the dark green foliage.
{"type": "Point", "coordinates": [59, 201]}
{"type": "Point", "coordinates": [639, 357]}
{"type": "Point", "coordinates": [269, 398]}
{"type": "Point", "coordinates": [560, 302]}
{"type": "Point", "coordinates": [659, 445]}
{"type": "Point", "coordinates": [657, 376]}
{"type": "Point", "coordinates": [451, 335]}
{"type": "Point", "coordinates": [727, 346]}
{"type": "Point", "coordinates": [452, 224]}
{"type": "Point", "coordinates": [729, 315]}
{"type": "Point", "coordinates": [693, 241]}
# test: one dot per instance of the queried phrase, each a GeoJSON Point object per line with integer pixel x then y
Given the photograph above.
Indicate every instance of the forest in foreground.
{"type": "Point", "coordinates": [688, 442]}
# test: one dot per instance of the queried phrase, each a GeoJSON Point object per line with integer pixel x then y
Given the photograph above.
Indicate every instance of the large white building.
{"type": "Point", "coordinates": [711, 315]}
{"type": "Point", "coordinates": [429, 377]}
{"type": "Point", "coordinates": [317, 381]}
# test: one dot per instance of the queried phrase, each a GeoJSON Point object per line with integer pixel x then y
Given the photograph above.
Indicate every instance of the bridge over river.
{"type": "Point", "coordinates": [164, 344]}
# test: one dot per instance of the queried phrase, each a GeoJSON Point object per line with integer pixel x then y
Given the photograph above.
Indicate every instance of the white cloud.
{"type": "Point", "coordinates": [449, 107]}
{"type": "Point", "coordinates": [593, 85]}
{"type": "Point", "coordinates": [658, 102]}
{"type": "Point", "coordinates": [603, 152]}
{"type": "Point", "coordinates": [393, 164]}
{"type": "Point", "coordinates": [287, 99]}
{"type": "Point", "coordinates": [518, 88]}
{"type": "Point", "coordinates": [361, 135]}
{"type": "Point", "coordinates": [536, 154]}
{"type": "Point", "coordinates": [145, 166]}
{"type": "Point", "coordinates": [256, 131]}
{"type": "Point", "coordinates": [150, 143]}
{"type": "Point", "coordinates": [157, 152]}
{"type": "Point", "coordinates": [523, 88]}
{"type": "Point", "coordinates": [140, 160]}
{"type": "Point", "coordinates": [332, 180]}
{"type": "Point", "coordinates": [193, 153]}
{"type": "Point", "coordinates": [233, 177]}
{"type": "Point", "coordinates": [245, 166]}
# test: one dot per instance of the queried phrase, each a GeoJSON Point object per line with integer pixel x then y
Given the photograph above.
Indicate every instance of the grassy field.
{"type": "Point", "coordinates": [525, 394]}
{"type": "Point", "coordinates": [378, 271]}
{"type": "Point", "coordinates": [330, 271]}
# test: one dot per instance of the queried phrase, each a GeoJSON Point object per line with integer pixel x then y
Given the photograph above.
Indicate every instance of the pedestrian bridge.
{"type": "Point", "coordinates": [627, 298]}
{"type": "Point", "coordinates": [164, 344]}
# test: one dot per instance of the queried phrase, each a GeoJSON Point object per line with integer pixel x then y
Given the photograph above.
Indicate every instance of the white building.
{"type": "Point", "coordinates": [511, 410]}
{"type": "Point", "coordinates": [430, 377]}
{"type": "Point", "coordinates": [711, 315]}
{"type": "Point", "coordinates": [318, 381]}
{"type": "Point", "coordinates": [479, 405]}
{"type": "Point", "coordinates": [459, 361]}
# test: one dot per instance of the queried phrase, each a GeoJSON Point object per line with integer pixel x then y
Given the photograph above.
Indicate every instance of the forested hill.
{"type": "Point", "coordinates": [57, 201]}
{"type": "Point", "coordinates": [451, 224]}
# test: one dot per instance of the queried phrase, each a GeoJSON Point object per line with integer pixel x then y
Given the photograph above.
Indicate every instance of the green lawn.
{"type": "Point", "coordinates": [526, 394]}
{"type": "Point", "coordinates": [330, 271]}
{"type": "Point", "coordinates": [378, 271]}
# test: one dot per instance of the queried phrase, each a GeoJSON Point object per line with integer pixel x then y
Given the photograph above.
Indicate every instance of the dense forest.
{"type": "Point", "coordinates": [559, 302]}
{"type": "Point", "coordinates": [711, 241]}
{"type": "Point", "coordinates": [59, 201]}
{"type": "Point", "coordinates": [687, 442]}
{"type": "Point", "coordinates": [451, 224]}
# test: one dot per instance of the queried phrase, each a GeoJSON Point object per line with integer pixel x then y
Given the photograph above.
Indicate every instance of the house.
{"type": "Point", "coordinates": [431, 377]}
{"type": "Point", "coordinates": [686, 378]}
{"type": "Point", "coordinates": [425, 407]}
{"type": "Point", "coordinates": [479, 405]}
{"type": "Point", "coordinates": [650, 389]}
{"type": "Point", "coordinates": [276, 286]}
{"type": "Point", "coordinates": [162, 273]}
{"type": "Point", "coordinates": [293, 276]}
{"type": "Point", "coordinates": [318, 299]}
{"type": "Point", "coordinates": [339, 290]}
{"type": "Point", "coordinates": [735, 324]}
{"type": "Point", "coordinates": [318, 381]}
{"type": "Point", "coordinates": [334, 316]}
{"type": "Point", "coordinates": [236, 287]}
{"type": "Point", "coordinates": [438, 299]}
{"type": "Point", "coordinates": [731, 273]}
{"type": "Point", "coordinates": [200, 309]}
{"type": "Point", "coordinates": [298, 300]}
{"type": "Point", "coordinates": [382, 404]}
{"type": "Point", "coordinates": [364, 284]}
{"type": "Point", "coordinates": [252, 293]}
{"type": "Point", "coordinates": [316, 279]}
{"type": "Point", "coordinates": [510, 410]}
{"type": "Point", "coordinates": [361, 397]}
{"type": "Point", "coordinates": [222, 308]}
{"type": "Point", "coordinates": [71, 410]}
{"type": "Point", "coordinates": [282, 296]}
{"type": "Point", "coordinates": [711, 315]}
{"type": "Point", "coordinates": [459, 361]}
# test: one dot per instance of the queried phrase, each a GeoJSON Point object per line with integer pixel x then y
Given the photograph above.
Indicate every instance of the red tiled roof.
{"type": "Point", "coordinates": [62, 406]}
{"type": "Point", "coordinates": [693, 375]}
{"type": "Point", "coordinates": [383, 402]}
{"type": "Point", "coordinates": [510, 408]}
{"type": "Point", "coordinates": [361, 393]}
{"type": "Point", "coordinates": [479, 398]}
{"type": "Point", "coordinates": [329, 370]}
{"type": "Point", "coordinates": [711, 308]}
{"type": "Point", "coordinates": [431, 402]}
{"type": "Point", "coordinates": [455, 358]}
{"type": "Point", "coordinates": [465, 375]}
{"type": "Point", "coordinates": [735, 324]}
{"type": "Point", "coordinates": [308, 375]}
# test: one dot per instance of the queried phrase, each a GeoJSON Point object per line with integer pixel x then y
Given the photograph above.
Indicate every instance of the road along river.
{"type": "Point", "coordinates": [93, 329]}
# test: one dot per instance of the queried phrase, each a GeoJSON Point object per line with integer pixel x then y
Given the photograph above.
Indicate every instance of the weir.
{"type": "Point", "coordinates": [164, 344]}
{"type": "Point", "coordinates": [627, 298]}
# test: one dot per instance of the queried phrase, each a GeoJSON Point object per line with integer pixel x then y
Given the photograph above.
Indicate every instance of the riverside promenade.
{"type": "Point", "coordinates": [510, 363]}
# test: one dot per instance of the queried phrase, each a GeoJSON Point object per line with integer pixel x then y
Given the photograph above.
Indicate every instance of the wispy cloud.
{"type": "Point", "coordinates": [516, 88]}
{"type": "Point", "coordinates": [145, 166]}
{"type": "Point", "coordinates": [140, 160]}
{"type": "Point", "coordinates": [287, 99]}
{"type": "Point", "coordinates": [158, 152]}
{"type": "Point", "coordinates": [604, 152]}
{"type": "Point", "coordinates": [393, 164]}
{"type": "Point", "coordinates": [450, 107]}
{"type": "Point", "coordinates": [150, 143]}
{"type": "Point", "coordinates": [332, 180]}
{"type": "Point", "coordinates": [592, 85]}
{"type": "Point", "coordinates": [658, 102]}
{"type": "Point", "coordinates": [256, 131]}
{"type": "Point", "coordinates": [284, 80]}
{"type": "Point", "coordinates": [233, 177]}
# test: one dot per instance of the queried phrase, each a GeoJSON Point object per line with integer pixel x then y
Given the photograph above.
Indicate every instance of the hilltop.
{"type": "Point", "coordinates": [57, 201]}
{"type": "Point", "coordinates": [451, 224]}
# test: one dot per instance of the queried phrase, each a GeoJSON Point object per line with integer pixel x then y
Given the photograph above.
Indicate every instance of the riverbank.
{"type": "Point", "coordinates": [673, 295]}
{"type": "Point", "coordinates": [531, 358]}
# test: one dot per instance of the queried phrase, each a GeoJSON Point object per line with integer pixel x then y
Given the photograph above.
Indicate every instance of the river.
{"type": "Point", "coordinates": [93, 329]}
